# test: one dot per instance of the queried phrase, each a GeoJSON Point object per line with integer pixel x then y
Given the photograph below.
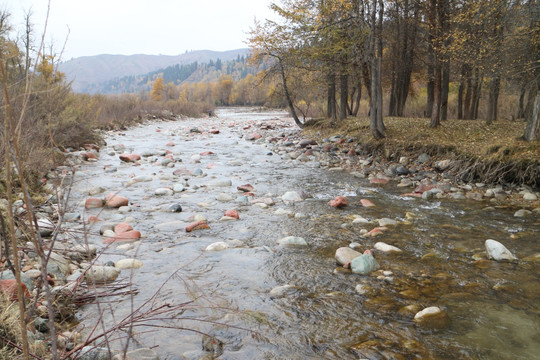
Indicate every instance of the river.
{"type": "Point", "coordinates": [493, 307]}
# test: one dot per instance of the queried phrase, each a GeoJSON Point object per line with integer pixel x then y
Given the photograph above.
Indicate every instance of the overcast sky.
{"type": "Point", "coordinates": [129, 27]}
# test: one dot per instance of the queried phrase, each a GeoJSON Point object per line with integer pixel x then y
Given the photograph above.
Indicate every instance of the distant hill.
{"type": "Point", "coordinates": [88, 72]}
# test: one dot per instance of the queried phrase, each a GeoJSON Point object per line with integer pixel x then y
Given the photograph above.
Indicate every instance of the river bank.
{"type": "Point", "coordinates": [261, 297]}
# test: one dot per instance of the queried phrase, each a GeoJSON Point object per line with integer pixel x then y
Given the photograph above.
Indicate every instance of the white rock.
{"type": "Point", "coordinates": [300, 216]}
{"type": "Point", "coordinates": [281, 211]}
{"type": "Point", "coordinates": [109, 233]}
{"type": "Point", "coordinates": [217, 246]}
{"type": "Point", "coordinates": [522, 213]}
{"type": "Point", "coordinates": [128, 264]}
{"type": "Point", "coordinates": [199, 217]}
{"type": "Point", "coordinates": [360, 220]}
{"type": "Point", "coordinates": [164, 192]}
{"type": "Point", "coordinates": [225, 197]}
{"type": "Point", "coordinates": [497, 251]}
{"type": "Point", "coordinates": [384, 247]}
{"type": "Point", "coordinates": [387, 222]}
{"type": "Point", "coordinates": [430, 311]}
{"type": "Point", "coordinates": [220, 183]}
{"type": "Point", "coordinates": [227, 218]}
{"type": "Point", "coordinates": [292, 241]}
{"type": "Point", "coordinates": [124, 209]}
{"type": "Point", "coordinates": [142, 178]}
{"type": "Point", "coordinates": [195, 158]}
{"type": "Point", "coordinates": [282, 291]}
{"type": "Point", "coordinates": [530, 197]}
{"type": "Point", "coordinates": [291, 196]}
{"type": "Point", "coordinates": [345, 255]}
{"type": "Point", "coordinates": [101, 274]}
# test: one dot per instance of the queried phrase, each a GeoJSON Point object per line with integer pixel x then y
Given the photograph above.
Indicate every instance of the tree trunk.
{"type": "Point", "coordinates": [375, 111]}
{"type": "Point", "coordinates": [521, 108]}
{"type": "Point", "coordinates": [467, 113]}
{"type": "Point", "coordinates": [344, 95]}
{"type": "Point", "coordinates": [355, 99]}
{"type": "Point", "coordinates": [477, 91]}
{"type": "Point", "coordinates": [435, 111]}
{"type": "Point", "coordinates": [430, 86]}
{"type": "Point", "coordinates": [331, 100]}
{"type": "Point", "coordinates": [494, 88]}
{"type": "Point", "coordinates": [288, 95]}
{"type": "Point", "coordinates": [445, 87]}
{"type": "Point", "coordinates": [380, 124]}
{"type": "Point", "coordinates": [392, 103]}
{"type": "Point", "coordinates": [531, 130]}
{"type": "Point", "coordinates": [460, 94]}
{"type": "Point", "coordinates": [367, 78]}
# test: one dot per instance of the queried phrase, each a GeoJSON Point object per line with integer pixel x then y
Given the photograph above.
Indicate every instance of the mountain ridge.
{"type": "Point", "coordinates": [87, 71]}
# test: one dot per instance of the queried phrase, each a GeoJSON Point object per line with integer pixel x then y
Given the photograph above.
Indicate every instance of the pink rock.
{"type": "Point", "coordinates": [169, 156]}
{"type": "Point", "coordinates": [246, 188]}
{"type": "Point", "coordinates": [115, 201]}
{"type": "Point", "coordinates": [204, 153]}
{"type": "Point", "coordinates": [253, 136]}
{"type": "Point", "coordinates": [170, 143]}
{"type": "Point", "coordinates": [246, 127]}
{"type": "Point", "coordinates": [197, 225]}
{"type": "Point", "coordinates": [93, 219]}
{"type": "Point", "coordinates": [232, 213]}
{"type": "Point", "coordinates": [232, 124]}
{"type": "Point", "coordinates": [130, 157]}
{"type": "Point", "coordinates": [125, 237]}
{"type": "Point", "coordinates": [376, 231]}
{"type": "Point", "coordinates": [381, 181]}
{"type": "Point", "coordinates": [368, 252]}
{"type": "Point", "coordinates": [366, 203]}
{"type": "Point", "coordinates": [422, 188]}
{"type": "Point", "coordinates": [214, 131]}
{"type": "Point", "coordinates": [328, 147]}
{"type": "Point", "coordinates": [338, 202]}
{"type": "Point", "coordinates": [308, 152]}
{"type": "Point", "coordinates": [211, 166]}
{"type": "Point", "coordinates": [182, 171]}
{"type": "Point", "coordinates": [88, 155]}
{"type": "Point", "coordinates": [122, 228]}
{"type": "Point", "coordinates": [351, 152]}
{"type": "Point", "coordinates": [8, 287]}
{"type": "Point", "coordinates": [92, 203]}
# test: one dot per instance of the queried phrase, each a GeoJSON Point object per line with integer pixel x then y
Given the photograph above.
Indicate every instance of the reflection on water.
{"type": "Point", "coordinates": [493, 307]}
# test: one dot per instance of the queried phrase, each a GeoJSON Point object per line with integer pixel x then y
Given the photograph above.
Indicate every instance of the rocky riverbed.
{"type": "Point", "coordinates": [282, 246]}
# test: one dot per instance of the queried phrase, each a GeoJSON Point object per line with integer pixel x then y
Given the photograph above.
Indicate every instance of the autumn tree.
{"type": "Point", "coordinates": [156, 94]}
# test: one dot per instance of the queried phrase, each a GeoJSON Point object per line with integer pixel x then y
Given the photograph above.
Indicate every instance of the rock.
{"type": "Point", "coordinates": [101, 274]}
{"type": "Point", "coordinates": [130, 157]}
{"type": "Point", "coordinates": [128, 264]}
{"type": "Point", "coordinates": [263, 201]}
{"type": "Point", "coordinates": [232, 213]}
{"type": "Point", "coordinates": [164, 192]}
{"type": "Point", "coordinates": [375, 231]}
{"type": "Point", "coordinates": [291, 196]}
{"type": "Point", "coordinates": [497, 251]}
{"type": "Point", "coordinates": [142, 178]}
{"type": "Point", "coordinates": [379, 181]}
{"type": "Point", "coordinates": [179, 188]}
{"type": "Point", "coordinates": [522, 213]}
{"type": "Point", "coordinates": [46, 227]}
{"type": "Point", "coordinates": [220, 183]}
{"type": "Point", "coordinates": [225, 197]}
{"type": "Point", "coordinates": [139, 354]}
{"type": "Point", "coordinates": [339, 202]}
{"type": "Point", "coordinates": [175, 208]}
{"type": "Point", "coordinates": [42, 325]}
{"type": "Point", "coordinates": [282, 291]}
{"type": "Point", "coordinates": [8, 287]}
{"type": "Point", "coordinates": [530, 196]}
{"type": "Point", "coordinates": [122, 228]}
{"type": "Point", "coordinates": [115, 201]}
{"type": "Point", "coordinates": [92, 203]}
{"type": "Point", "coordinates": [109, 233]}
{"type": "Point", "coordinates": [364, 264]}
{"type": "Point", "coordinates": [94, 353]}
{"type": "Point", "coordinates": [366, 203]}
{"type": "Point", "coordinates": [387, 222]}
{"type": "Point", "coordinates": [345, 255]}
{"type": "Point", "coordinates": [292, 241]}
{"type": "Point", "coordinates": [197, 225]}
{"type": "Point", "coordinates": [253, 136]}
{"type": "Point", "coordinates": [387, 248]}
{"type": "Point", "coordinates": [246, 188]}
{"type": "Point", "coordinates": [402, 170]}
{"type": "Point", "coordinates": [443, 165]}
{"type": "Point", "coordinates": [431, 318]}
{"type": "Point", "coordinates": [128, 236]}
{"type": "Point", "coordinates": [217, 246]}
{"type": "Point", "coordinates": [423, 158]}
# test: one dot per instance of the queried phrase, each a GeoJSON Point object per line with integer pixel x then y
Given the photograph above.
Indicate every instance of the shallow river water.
{"type": "Point", "coordinates": [494, 308]}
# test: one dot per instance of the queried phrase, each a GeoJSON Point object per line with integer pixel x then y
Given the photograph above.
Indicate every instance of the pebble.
{"type": "Point", "coordinates": [291, 196]}
{"type": "Point", "coordinates": [128, 264]}
{"type": "Point", "coordinates": [292, 241]}
{"type": "Point", "coordinates": [282, 291]}
{"type": "Point", "coordinates": [364, 264]}
{"type": "Point", "coordinates": [384, 247]}
{"type": "Point", "coordinates": [432, 318]}
{"type": "Point", "coordinates": [522, 213]}
{"type": "Point", "coordinates": [345, 255]}
{"type": "Point", "coordinates": [101, 274]}
{"type": "Point", "coordinates": [217, 246]}
{"type": "Point", "coordinates": [220, 183]}
{"type": "Point", "coordinates": [387, 222]}
{"type": "Point", "coordinates": [225, 197]}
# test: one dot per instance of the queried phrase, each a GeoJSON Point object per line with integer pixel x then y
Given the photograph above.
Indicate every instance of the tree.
{"type": "Point", "coordinates": [157, 90]}
{"type": "Point", "coordinates": [376, 51]}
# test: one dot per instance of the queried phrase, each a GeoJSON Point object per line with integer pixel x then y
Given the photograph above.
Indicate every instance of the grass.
{"type": "Point", "coordinates": [499, 141]}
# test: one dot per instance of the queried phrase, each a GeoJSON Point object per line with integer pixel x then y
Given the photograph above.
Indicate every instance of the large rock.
{"type": "Point", "coordinates": [345, 255]}
{"type": "Point", "coordinates": [338, 202]}
{"type": "Point", "coordinates": [432, 318]}
{"type": "Point", "coordinates": [9, 289]}
{"type": "Point", "coordinates": [130, 157]}
{"type": "Point", "coordinates": [46, 227]}
{"type": "Point", "coordinates": [197, 225]}
{"type": "Point", "coordinates": [125, 237]}
{"type": "Point", "coordinates": [497, 251]}
{"type": "Point", "coordinates": [364, 264]}
{"type": "Point", "coordinates": [92, 203]}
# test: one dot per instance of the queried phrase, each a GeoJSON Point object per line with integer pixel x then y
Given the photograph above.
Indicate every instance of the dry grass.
{"type": "Point", "coordinates": [472, 138]}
